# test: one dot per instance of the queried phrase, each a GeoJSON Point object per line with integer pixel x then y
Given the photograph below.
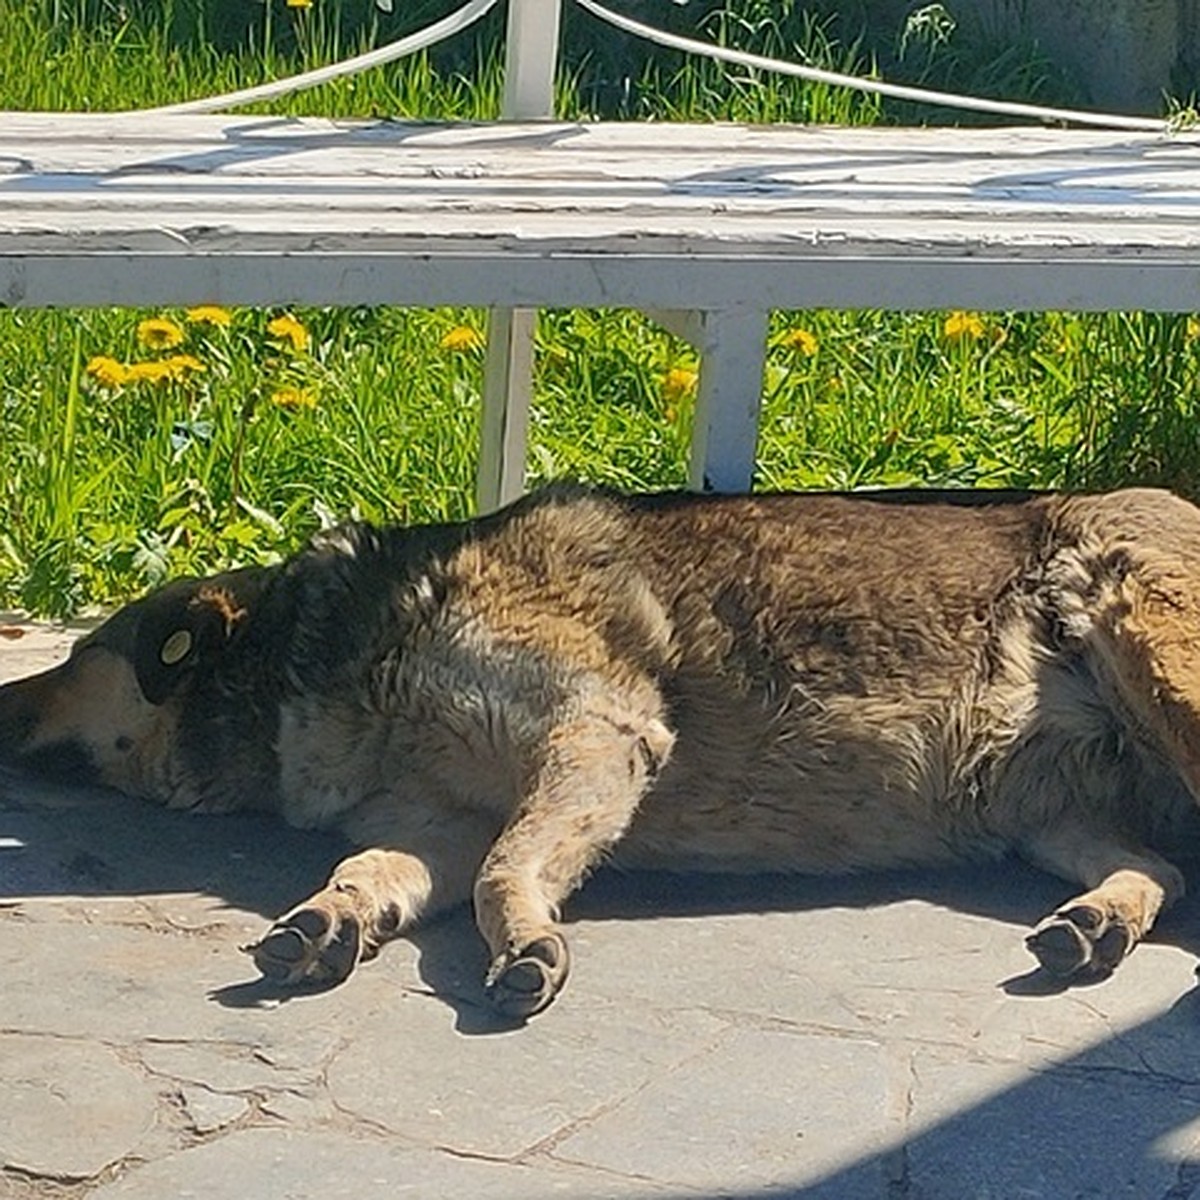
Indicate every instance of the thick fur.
{"type": "Point", "coordinates": [800, 683]}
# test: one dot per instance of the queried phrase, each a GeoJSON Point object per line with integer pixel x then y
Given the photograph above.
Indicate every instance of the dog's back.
{"type": "Point", "coordinates": [868, 682]}
{"type": "Point", "coordinates": [846, 669]}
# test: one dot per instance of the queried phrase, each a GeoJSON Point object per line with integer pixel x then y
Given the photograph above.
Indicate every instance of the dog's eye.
{"type": "Point", "coordinates": [176, 648]}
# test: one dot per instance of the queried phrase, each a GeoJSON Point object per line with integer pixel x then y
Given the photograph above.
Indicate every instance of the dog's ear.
{"type": "Point", "coordinates": [185, 626]}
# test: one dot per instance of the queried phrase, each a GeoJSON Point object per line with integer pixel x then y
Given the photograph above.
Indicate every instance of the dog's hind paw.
{"type": "Point", "coordinates": [524, 980]}
{"type": "Point", "coordinates": [1081, 940]}
{"type": "Point", "coordinates": [311, 944]}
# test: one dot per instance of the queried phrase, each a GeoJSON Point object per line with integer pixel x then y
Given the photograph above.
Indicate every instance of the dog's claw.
{"type": "Point", "coordinates": [1079, 941]}
{"type": "Point", "coordinates": [306, 946]}
{"type": "Point", "coordinates": [523, 981]}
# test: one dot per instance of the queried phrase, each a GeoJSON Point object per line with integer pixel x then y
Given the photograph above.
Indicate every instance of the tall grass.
{"type": "Point", "coordinates": [52, 59]}
{"type": "Point", "coordinates": [110, 482]}
{"type": "Point", "coordinates": [107, 489]}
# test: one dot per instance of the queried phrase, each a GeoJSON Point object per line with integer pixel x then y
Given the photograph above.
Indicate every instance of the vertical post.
{"type": "Point", "coordinates": [530, 59]}
{"type": "Point", "coordinates": [725, 433]}
{"type": "Point", "coordinates": [531, 56]}
{"type": "Point", "coordinates": [507, 379]}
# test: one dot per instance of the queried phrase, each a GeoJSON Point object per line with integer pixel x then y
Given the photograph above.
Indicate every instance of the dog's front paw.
{"type": "Point", "coordinates": [316, 943]}
{"type": "Point", "coordinates": [1080, 940]}
{"type": "Point", "coordinates": [524, 980]}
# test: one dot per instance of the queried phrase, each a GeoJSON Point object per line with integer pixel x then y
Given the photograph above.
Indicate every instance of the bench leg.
{"type": "Point", "coordinates": [725, 433]}
{"type": "Point", "coordinates": [507, 386]}
{"type": "Point", "coordinates": [732, 345]}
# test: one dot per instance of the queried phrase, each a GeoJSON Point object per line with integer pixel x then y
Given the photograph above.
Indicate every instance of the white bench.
{"type": "Point", "coordinates": [708, 227]}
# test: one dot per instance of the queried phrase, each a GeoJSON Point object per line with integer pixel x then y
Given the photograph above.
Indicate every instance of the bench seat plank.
{"type": "Point", "coordinates": [131, 209]}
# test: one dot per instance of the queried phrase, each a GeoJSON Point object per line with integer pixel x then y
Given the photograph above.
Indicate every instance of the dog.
{"type": "Point", "coordinates": [804, 683]}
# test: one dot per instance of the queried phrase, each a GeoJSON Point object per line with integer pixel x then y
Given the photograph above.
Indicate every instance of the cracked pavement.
{"type": "Point", "coordinates": [880, 1037]}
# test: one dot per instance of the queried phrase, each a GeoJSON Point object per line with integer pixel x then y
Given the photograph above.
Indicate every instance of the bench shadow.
{"type": "Point", "coordinates": [87, 842]}
{"type": "Point", "coordinates": [57, 841]}
{"type": "Point", "coordinates": [1123, 1105]}
{"type": "Point", "coordinates": [453, 960]}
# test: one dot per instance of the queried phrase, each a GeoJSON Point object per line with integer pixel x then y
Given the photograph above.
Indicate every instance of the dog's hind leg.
{"type": "Point", "coordinates": [593, 774]}
{"type": "Point", "coordinates": [1142, 562]}
{"type": "Point", "coordinates": [1136, 574]}
{"type": "Point", "coordinates": [373, 896]}
{"type": "Point", "coordinates": [1128, 888]}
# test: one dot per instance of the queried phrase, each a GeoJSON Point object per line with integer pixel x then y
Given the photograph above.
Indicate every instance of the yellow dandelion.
{"type": "Point", "coordinates": [461, 339]}
{"type": "Point", "coordinates": [159, 333]}
{"type": "Point", "coordinates": [210, 314]}
{"type": "Point", "coordinates": [679, 382]}
{"type": "Point", "coordinates": [150, 372]}
{"type": "Point", "coordinates": [180, 364]}
{"type": "Point", "coordinates": [163, 370]}
{"type": "Point", "coordinates": [962, 325]}
{"type": "Point", "coordinates": [293, 399]}
{"type": "Point", "coordinates": [803, 341]}
{"type": "Point", "coordinates": [107, 371]}
{"type": "Point", "coordinates": [287, 329]}
{"type": "Point", "coordinates": [1193, 329]}
{"type": "Point", "coordinates": [299, 3]}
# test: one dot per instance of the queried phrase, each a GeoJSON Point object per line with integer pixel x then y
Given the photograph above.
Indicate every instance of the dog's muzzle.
{"type": "Point", "coordinates": [63, 760]}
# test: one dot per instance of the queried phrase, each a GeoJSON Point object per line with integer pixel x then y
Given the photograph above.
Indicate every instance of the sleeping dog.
{"type": "Point", "coordinates": [787, 683]}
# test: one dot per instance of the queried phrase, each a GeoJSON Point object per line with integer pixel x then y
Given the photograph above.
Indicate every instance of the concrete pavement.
{"type": "Point", "coordinates": [879, 1038]}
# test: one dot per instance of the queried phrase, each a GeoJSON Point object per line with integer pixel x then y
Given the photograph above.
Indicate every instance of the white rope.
{"type": "Point", "coordinates": [899, 91]}
{"type": "Point", "coordinates": [470, 12]}
{"type": "Point", "coordinates": [439, 31]}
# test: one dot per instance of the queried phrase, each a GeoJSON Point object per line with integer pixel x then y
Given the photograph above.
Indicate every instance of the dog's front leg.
{"type": "Point", "coordinates": [592, 775]}
{"type": "Point", "coordinates": [375, 895]}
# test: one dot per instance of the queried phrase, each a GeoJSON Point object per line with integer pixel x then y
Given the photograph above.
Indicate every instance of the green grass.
{"type": "Point", "coordinates": [105, 490]}
{"type": "Point", "coordinates": [128, 58]}
{"type": "Point", "coordinates": [110, 489]}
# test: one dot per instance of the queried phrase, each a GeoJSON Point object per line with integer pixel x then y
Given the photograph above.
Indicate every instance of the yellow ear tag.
{"type": "Point", "coordinates": [176, 648]}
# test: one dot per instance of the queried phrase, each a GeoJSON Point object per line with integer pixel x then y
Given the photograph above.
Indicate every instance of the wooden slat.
{"type": "Point", "coordinates": [107, 209]}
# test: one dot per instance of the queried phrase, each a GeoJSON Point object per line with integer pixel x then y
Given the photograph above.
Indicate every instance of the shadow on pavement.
{"type": "Point", "coordinates": [91, 842]}
{"type": "Point", "coordinates": [97, 843]}
{"type": "Point", "coordinates": [1119, 1121]}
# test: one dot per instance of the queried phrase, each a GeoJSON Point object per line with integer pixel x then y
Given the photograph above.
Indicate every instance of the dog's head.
{"type": "Point", "coordinates": [114, 712]}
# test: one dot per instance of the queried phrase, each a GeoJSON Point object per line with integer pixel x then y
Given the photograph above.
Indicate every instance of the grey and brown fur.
{"type": "Point", "coordinates": [798, 683]}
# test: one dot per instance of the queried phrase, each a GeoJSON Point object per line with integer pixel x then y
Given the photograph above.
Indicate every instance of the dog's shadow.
{"type": "Point", "coordinates": [94, 843]}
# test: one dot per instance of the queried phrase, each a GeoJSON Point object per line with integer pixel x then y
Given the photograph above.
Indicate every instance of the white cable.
{"type": "Point", "coordinates": [474, 9]}
{"type": "Point", "coordinates": [439, 31]}
{"type": "Point", "coordinates": [900, 91]}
